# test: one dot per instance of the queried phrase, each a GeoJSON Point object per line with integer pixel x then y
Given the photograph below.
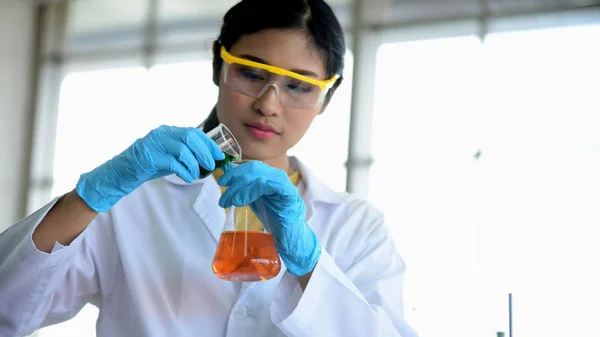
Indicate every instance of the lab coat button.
{"type": "Point", "coordinates": [240, 312]}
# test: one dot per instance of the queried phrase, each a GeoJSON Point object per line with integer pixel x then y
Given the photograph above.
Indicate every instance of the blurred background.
{"type": "Point", "coordinates": [473, 124]}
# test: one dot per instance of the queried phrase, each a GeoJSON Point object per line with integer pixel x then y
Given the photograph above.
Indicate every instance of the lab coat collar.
{"type": "Point", "coordinates": [315, 192]}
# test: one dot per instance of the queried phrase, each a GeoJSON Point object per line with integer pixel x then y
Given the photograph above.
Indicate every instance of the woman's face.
{"type": "Point", "coordinates": [246, 116]}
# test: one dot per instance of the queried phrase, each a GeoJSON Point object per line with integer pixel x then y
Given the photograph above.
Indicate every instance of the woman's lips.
{"type": "Point", "coordinates": [260, 133]}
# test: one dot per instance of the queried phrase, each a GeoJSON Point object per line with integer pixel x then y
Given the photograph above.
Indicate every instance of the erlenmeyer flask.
{"type": "Point", "coordinates": [246, 251]}
{"type": "Point", "coordinates": [227, 143]}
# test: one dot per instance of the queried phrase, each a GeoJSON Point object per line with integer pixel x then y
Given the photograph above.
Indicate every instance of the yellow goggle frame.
{"type": "Point", "coordinates": [322, 84]}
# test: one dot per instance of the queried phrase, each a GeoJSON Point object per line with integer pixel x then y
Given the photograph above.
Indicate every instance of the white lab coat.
{"type": "Point", "coordinates": [146, 264]}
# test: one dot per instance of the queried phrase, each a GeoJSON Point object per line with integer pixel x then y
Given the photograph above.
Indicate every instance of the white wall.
{"type": "Point", "coordinates": [16, 49]}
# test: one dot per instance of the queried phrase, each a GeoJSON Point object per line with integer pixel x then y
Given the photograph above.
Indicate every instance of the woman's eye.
{"type": "Point", "coordinates": [251, 75]}
{"type": "Point", "coordinates": [299, 87]}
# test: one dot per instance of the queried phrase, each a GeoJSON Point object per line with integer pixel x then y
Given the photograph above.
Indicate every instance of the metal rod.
{"type": "Point", "coordinates": [149, 51]}
{"type": "Point", "coordinates": [356, 45]}
{"type": "Point", "coordinates": [36, 65]}
{"type": "Point", "coordinates": [510, 315]}
{"type": "Point", "coordinates": [53, 17]}
{"type": "Point", "coordinates": [483, 21]}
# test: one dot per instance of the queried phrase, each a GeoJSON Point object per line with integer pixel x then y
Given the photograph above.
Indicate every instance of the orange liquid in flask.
{"type": "Point", "coordinates": [246, 256]}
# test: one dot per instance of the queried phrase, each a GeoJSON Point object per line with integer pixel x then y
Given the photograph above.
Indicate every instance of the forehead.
{"type": "Point", "coordinates": [282, 48]}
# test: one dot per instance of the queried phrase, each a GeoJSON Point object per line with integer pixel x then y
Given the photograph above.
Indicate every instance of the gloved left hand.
{"type": "Point", "coordinates": [256, 181]}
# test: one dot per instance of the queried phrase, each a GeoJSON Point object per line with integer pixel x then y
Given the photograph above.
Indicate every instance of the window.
{"type": "Point", "coordinates": [423, 146]}
{"type": "Point", "coordinates": [486, 160]}
{"type": "Point", "coordinates": [538, 180]}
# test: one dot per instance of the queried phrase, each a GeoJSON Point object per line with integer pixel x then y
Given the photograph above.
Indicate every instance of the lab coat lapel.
{"type": "Point", "coordinates": [206, 204]}
{"type": "Point", "coordinates": [313, 191]}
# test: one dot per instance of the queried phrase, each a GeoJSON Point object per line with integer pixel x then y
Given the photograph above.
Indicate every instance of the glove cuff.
{"type": "Point", "coordinates": [91, 197]}
{"type": "Point", "coordinates": [99, 191]}
{"type": "Point", "coordinates": [302, 265]}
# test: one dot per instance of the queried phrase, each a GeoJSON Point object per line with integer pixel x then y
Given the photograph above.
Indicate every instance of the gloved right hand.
{"type": "Point", "coordinates": [164, 151]}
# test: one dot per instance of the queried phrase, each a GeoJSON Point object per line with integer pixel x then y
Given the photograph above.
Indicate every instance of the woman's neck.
{"type": "Point", "coordinates": [281, 162]}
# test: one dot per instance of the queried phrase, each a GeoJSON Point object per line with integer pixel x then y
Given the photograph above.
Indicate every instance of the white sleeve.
{"type": "Point", "coordinates": [38, 289]}
{"type": "Point", "coordinates": [365, 300]}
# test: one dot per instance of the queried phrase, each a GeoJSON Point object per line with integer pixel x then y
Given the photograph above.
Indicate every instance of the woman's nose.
{"type": "Point", "coordinates": [267, 102]}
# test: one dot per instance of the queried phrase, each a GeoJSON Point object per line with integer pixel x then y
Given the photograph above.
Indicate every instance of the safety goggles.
{"type": "Point", "coordinates": [254, 79]}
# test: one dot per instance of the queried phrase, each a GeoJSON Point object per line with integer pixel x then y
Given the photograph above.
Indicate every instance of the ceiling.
{"type": "Point", "coordinates": [105, 19]}
{"type": "Point", "coordinates": [95, 15]}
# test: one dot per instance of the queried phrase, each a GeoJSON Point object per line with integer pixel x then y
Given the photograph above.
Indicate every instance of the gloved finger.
{"type": "Point", "coordinates": [233, 174]}
{"type": "Point", "coordinates": [182, 154]}
{"type": "Point", "coordinates": [245, 175]}
{"type": "Point", "coordinates": [242, 192]}
{"type": "Point", "coordinates": [180, 171]}
{"type": "Point", "coordinates": [246, 170]}
{"type": "Point", "coordinates": [215, 152]}
{"type": "Point", "coordinates": [214, 149]}
{"type": "Point", "coordinates": [202, 148]}
{"type": "Point", "coordinates": [275, 182]}
{"type": "Point", "coordinates": [259, 208]}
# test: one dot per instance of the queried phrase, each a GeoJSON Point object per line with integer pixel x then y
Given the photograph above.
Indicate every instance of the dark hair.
{"type": "Point", "coordinates": [315, 17]}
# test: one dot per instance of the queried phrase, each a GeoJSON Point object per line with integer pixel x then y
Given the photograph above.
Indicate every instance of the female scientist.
{"type": "Point", "coordinates": [137, 235]}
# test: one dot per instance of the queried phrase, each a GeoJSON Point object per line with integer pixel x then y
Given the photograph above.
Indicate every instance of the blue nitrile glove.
{"type": "Point", "coordinates": [164, 151]}
{"type": "Point", "coordinates": [255, 181]}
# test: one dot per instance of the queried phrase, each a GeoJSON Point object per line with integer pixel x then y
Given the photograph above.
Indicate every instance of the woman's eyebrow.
{"type": "Point", "coordinates": [298, 71]}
